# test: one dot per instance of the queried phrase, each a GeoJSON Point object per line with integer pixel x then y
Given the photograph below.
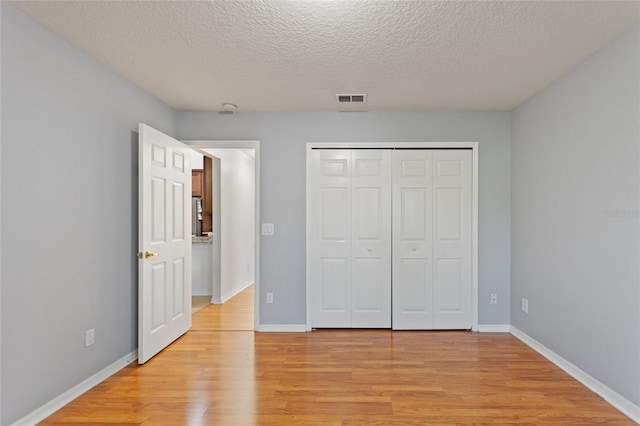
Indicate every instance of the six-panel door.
{"type": "Point", "coordinates": [164, 288]}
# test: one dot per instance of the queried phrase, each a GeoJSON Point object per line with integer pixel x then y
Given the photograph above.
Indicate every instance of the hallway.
{"type": "Point", "coordinates": [234, 315]}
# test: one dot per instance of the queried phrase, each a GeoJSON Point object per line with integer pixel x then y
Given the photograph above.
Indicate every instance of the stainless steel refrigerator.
{"type": "Point", "coordinates": [196, 216]}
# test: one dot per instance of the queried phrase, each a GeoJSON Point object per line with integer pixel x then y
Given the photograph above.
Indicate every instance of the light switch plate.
{"type": "Point", "coordinates": [268, 229]}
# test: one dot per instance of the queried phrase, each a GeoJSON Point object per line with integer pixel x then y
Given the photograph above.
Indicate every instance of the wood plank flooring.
{"type": "Point", "coordinates": [199, 302]}
{"type": "Point", "coordinates": [221, 373]}
{"type": "Point", "coordinates": [234, 315]}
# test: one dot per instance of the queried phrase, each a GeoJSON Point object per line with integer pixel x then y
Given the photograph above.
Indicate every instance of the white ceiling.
{"type": "Point", "coordinates": [275, 55]}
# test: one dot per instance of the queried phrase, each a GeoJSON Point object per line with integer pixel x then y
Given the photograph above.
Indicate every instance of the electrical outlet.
{"type": "Point", "coordinates": [89, 337]}
{"type": "Point", "coordinates": [494, 299]}
{"type": "Point", "coordinates": [269, 297]}
{"type": "Point", "coordinates": [525, 305]}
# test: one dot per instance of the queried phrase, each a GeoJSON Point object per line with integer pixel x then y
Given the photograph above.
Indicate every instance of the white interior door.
{"type": "Point", "coordinates": [432, 243]}
{"type": "Point", "coordinates": [412, 240]}
{"type": "Point", "coordinates": [164, 287]}
{"type": "Point", "coordinates": [371, 239]}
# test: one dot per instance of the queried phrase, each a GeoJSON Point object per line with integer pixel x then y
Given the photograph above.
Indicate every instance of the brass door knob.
{"type": "Point", "coordinates": [147, 254]}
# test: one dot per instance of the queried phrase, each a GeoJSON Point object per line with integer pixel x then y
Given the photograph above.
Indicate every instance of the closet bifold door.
{"type": "Point", "coordinates": [350, 259]}
{"type": "Point", "coordinates": [330, 233]}
{"type": "Point", "coordinates": [432, 207]}
{"type": "Point", "coordinates": [413, 240]}
{"type": "Point", "coordinates": [452, 242]}
{"type": "Point", "coordinates": [371, 239]}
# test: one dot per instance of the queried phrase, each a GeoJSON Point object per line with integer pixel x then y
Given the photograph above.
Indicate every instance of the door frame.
{"type": "Point", "coordinates": [474, 146]}
{"type": "Point", "coordinates": [243, 144]}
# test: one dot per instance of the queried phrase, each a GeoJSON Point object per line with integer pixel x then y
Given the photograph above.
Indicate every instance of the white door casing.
{"type": "Point", "coordinates": [164, 239]}
{"type": "Point", "coordinates": [200, 145]}
{"type": "Point", "coordinates": [350, 261]}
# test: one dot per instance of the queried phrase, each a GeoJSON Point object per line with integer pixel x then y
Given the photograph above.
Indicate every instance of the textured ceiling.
{"type": "Point", "coordinates": [274, 55]}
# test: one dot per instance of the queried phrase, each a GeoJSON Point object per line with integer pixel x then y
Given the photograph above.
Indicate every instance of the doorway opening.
{"type": "Point", "coordinates": [226, 254]}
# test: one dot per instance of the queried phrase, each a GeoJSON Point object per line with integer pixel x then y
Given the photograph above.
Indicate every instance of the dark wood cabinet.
{"type": "Point", "coordinates": [197, 182]}
{"type": "Point", "coordinates": [202, 186]}
{"type": "Point", "coordinates": [207, 196]}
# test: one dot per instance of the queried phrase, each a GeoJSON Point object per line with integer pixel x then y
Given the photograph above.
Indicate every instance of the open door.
{"type": "Point", "coordinates": [164, 241]}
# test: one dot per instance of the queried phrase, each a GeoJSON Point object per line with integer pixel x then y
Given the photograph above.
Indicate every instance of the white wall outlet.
{"type": "Point", "coordinates": [494, 298]}
{"type": "Point", "coordinates": [525, 305]}
{"type": "Point", "coordinates": [269, 297]}
{"type": "Point", "coordinates": [268, 229]}
{"type": "Point", "coordinates": [89, 337]}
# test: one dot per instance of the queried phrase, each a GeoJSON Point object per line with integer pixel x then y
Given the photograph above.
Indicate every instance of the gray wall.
{"type": "Point", "coordinates": [283, 137]}
{"type": "Point", "coordinates": [68, 175]}
{"type": "Point", "coordinates": [574, 157]}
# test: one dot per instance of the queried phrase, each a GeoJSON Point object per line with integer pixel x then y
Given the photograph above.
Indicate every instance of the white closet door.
{"type": "Point", "coordinates": [352, 246]}
{"type": "Point", "coordinates": [452, 198]}
{"type": "Point", "coordinates": [412, 240]}
{"type": "Point", "coordinates": [371, 239]}
{"type": "Point", "coordinates": [432, 206]}
{"type": "Point", "coordinates": [330, 258]}
{"type": "Point", "coordinates": [350, 261]}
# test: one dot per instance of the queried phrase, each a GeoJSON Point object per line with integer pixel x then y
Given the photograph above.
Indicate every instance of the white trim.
{"type": "Point", "coordinates": [235, 292]}
{"type": "Point", "coordinates": [474, 146]}
{"type": "Point", "coordinates": [391, 145]}
{"type": "Point", "coordinates": [44, 411]}
{"type": "Point", "coordinates": [618, 401]}
{"type": "Point", "coordinates": [307, 234]}
{"type": "Point", "coordinates": [283, 328]}
{"type": "Point", "coordinates": [494, 328]}
{"type": "Point", "coordinates": [243, 144]}
{"type": "Point", "coordinates": [474, 234]}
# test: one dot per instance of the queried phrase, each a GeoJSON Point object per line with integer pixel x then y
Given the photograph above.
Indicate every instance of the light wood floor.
{"type": "Point", "coordinates": [221, 373]}
{"type": "Point", "coordinates": [199, 302]}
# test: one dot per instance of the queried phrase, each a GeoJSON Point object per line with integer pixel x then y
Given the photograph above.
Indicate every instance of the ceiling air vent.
{"type": "Point", "coordinates": [351, 99]}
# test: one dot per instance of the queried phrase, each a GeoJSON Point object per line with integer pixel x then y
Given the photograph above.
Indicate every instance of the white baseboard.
{"type": "Point", "coordinates": [282, 328]}
{"type": "Point", "coordinates": [627, 407]}
{"type": "Point", "coordinates": [494, 328]}
{"type": "Point", "coordinates": [228, 296]}
{"type": "Point", "coordinates": [60, 401]}
{"type": "Point", "coordinates": [201, 293]}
